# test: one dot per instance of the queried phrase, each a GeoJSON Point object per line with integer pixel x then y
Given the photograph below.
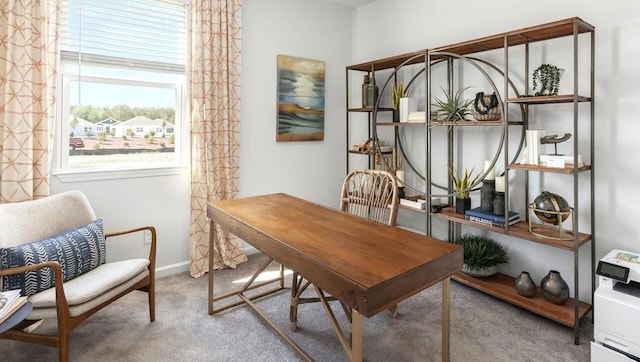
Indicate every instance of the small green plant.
{"type": "Point", "coordinates": [454, 107]}
{"type": "Point", "coordinates": [397, 92]}
{"type": "Point", "coordinates": [480, 252]}
{"type": "Point", "coordinates": [102, 137]}
{"type": "Point", "coordinates": [462, 184]}
{"type": "Point", "coordinates": [548, 77]}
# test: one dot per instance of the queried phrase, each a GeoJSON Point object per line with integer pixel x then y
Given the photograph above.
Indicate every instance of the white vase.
{"type": "Point", "coordinates": [407, 105]}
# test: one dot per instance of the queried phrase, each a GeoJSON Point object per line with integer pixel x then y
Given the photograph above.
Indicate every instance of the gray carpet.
{"type": "Point", "coordinates": [482, 329]}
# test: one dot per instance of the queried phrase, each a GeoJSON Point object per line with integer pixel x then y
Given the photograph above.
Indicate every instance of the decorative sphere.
{"type": "Point", "coordinates": [551, 204]}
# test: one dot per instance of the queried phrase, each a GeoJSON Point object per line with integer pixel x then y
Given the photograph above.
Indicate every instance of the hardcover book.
{"type": "Point", "coordinates": [484, 221]}
{"type": "Point", "coordinates": [500, 219]}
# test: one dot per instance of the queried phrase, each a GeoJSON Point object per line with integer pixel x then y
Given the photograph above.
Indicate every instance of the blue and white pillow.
{"type": "Point", "coordinates": [77, 251]}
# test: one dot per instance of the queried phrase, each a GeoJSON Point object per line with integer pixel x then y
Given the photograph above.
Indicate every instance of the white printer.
{"type": "Point", "coordinates": [617, 308]}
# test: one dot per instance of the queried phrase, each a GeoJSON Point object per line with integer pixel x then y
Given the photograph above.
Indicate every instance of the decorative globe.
{"type": "Point", "coordinates": [548, 207]}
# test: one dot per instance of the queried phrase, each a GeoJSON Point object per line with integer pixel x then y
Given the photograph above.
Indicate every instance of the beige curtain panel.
{"type": "Point", "coordinates": [28, 53]}
{"type": "Point", "coordinates": [215, 110]}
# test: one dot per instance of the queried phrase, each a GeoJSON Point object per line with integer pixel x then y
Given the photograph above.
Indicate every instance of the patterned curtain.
{"type": "Point", "coordinates": [215, 110]}
{"type": "Point", "coordinates": [28, 54]}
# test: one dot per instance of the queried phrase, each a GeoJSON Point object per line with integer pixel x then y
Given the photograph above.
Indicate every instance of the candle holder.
{"type": "Point", "coordinates": [487, 192]}
{"type": "Point", "coordinates": [498, 203]}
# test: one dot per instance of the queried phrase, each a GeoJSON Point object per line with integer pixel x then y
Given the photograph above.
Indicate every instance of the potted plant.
{"type": "Point", "coordinates": [454, 107]}
{"type": "Point", "coordinates": [548, 77]}
{"type": "Point", "coordinates": [397, 92]}
{"type": "Point", "coordinates": [482, 256]}
{"type": "Point", "coordinates": [462, 186]}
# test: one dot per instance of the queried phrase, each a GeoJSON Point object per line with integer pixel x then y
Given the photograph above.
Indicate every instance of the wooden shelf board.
{"type": "Point", "coordinates": [391, 62]}
{"type": "Point", "coordinates": [368, 153]}
{"type": "Point", "coordinates": [503, 287]}
{"type": "Point", "coordinates": [519, 230]}
{"type": "Point", "coordinates": [400, 124]}
{"type": "Point", "coordinates": [562, 98]}
{"type": "Point", "coordinates": [369, 109]}
{"type": "Point", "coordinates": [556, 29]}
{"type": "Point", "coordinates": [548, 169]}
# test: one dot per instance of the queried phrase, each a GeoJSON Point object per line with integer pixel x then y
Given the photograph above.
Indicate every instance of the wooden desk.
{"type": "Point", "coordinates": [368, 266]}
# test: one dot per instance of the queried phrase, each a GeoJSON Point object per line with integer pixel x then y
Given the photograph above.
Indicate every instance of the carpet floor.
{"type": "Point", "coordinates": [483, 328]}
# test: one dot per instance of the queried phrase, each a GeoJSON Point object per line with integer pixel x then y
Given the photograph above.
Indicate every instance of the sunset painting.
{"type": "Point", "coordinates": [300, 99]}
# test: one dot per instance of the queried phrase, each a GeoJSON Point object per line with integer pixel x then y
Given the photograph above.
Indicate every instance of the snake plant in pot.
{"type": "Point", "coordinates": [462, 186]}
{"type": "Point", "coordinates": [397, 92]}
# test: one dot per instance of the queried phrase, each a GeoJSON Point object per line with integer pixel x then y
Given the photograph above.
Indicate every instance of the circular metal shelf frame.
{"type": "Point", "coordinates": [475, 62]}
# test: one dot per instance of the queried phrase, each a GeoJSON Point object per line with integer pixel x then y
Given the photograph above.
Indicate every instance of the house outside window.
{"type": "Point", "coordinates": [123, 66]}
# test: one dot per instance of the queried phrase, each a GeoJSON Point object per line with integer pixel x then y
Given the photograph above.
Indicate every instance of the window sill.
{"type": "Point", "coordinates": [84, 175]}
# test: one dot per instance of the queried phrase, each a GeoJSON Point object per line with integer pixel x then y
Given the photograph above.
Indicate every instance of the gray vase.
{"type": "Point", "coordinates": [554, 288]}
{"type": "Point", "coordinates": [525, 285]}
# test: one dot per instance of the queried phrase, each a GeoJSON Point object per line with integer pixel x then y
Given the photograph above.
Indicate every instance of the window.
{"type": "Point", "coordinates": [123, 67]}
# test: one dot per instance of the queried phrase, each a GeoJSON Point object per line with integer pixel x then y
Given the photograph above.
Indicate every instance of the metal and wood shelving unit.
{"type": "Point", "coordinates": [582, 34]}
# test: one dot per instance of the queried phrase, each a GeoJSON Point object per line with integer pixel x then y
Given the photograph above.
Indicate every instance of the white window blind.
{"type": "Point", "coordinates": [142, 34]}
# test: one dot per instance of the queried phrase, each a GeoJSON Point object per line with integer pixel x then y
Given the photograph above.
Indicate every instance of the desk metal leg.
{"type": "Point", "coordinates": [352, 348]}
{"type": "Point", "coordinates": [446, 320]}
{"type": "Point", "coordinates": [212, 237]}
{"type": "Point", "coordinates": [251, 284]}
{"type": "Point", "coordinates": [356, 336]}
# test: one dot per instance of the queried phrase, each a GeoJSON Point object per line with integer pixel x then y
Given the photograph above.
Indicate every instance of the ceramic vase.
{"type": "Point", "coordinates": [525, 285]}
{"type": "Point", "coordinates": [462, 205]}
{"type": "Point", "coordinates": [554, 288]}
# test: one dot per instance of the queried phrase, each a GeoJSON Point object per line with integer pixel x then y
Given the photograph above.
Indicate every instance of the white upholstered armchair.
{"type": "Point", "coordinates": [54, 250]}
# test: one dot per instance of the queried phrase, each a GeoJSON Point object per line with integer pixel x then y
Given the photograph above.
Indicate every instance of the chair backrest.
{"type": "Point", "coordinates": [27, 221]}
{"type": "Point", "coordinates": [372, 194]}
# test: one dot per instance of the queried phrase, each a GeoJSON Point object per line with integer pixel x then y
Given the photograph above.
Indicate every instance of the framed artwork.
{"type": "Point", "coordinates": [300, 99]}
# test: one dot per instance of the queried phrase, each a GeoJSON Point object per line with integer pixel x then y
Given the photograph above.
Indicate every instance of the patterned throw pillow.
{"type": "Point", "coordinates": [78, 251]}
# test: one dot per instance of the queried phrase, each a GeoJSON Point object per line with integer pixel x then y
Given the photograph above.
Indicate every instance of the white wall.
{"type": "Point", "coordinates": [388, 27]}
{"type": "Point", "coordinates": [311, 170]}
{"type": "Point", "coordinates": [318, 30]}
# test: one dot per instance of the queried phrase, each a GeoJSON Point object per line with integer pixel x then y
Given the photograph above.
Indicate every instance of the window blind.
{"type": "Point", "coordinates": [147, 34]}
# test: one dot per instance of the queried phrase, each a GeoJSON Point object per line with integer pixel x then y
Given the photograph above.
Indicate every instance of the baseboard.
{"type": "Point", "coordinates": [183, 267]}
{"type": "Point", "coordinates": [172, 269]}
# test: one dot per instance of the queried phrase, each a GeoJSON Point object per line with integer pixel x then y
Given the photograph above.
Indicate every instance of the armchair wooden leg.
{"type": "Point", "coordinates": [152, 305]}
{"type": "Point", "coordinates": [63, 346]}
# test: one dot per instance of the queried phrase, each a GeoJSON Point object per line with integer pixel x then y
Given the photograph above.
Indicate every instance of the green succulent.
{"type": "Point", "coordinates": [480, 252]}
{"type": "Point", "coordinates": [454, 107]}
{"type": "Point", "coordinates": [397, 92]}
{"type": "Point", "coordinates": [462, 185]}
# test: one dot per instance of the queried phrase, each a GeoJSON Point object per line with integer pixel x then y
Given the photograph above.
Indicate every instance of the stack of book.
{"type": "Point", "coordinates": [414, 202]}
{"type": "Point", "coordinates": [489, 218]}
{"type": "Point", "coordinates": [560, 161]}
{"type": "Point", "coordinates": [416, 117]}
{"type": "Point", "coordinates": [10, 302]}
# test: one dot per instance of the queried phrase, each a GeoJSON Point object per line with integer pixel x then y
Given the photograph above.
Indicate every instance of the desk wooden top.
{"type": "Point", "coordinates": [367, 265]}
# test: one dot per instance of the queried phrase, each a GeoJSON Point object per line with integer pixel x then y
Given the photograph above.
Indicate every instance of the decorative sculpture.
{"type": "Point", "coordinates": [554, 139]}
